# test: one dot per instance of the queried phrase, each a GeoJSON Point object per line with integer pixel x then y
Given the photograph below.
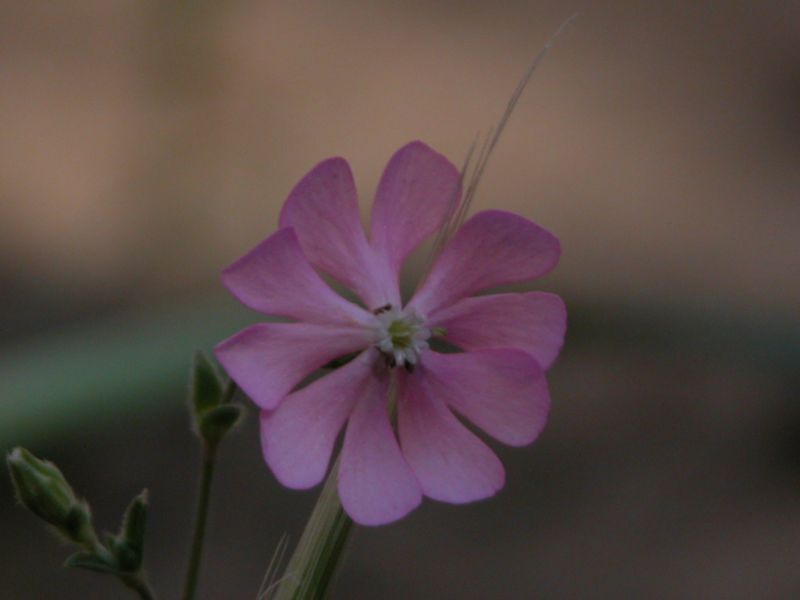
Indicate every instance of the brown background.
{"type": "Point", "coordinates": [144, 145]}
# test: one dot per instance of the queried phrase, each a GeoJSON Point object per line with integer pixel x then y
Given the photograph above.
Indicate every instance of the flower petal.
{"type": "Point", "coordinates": [323, 210]}
{"type": "Point", "coordinates": [298, 437]}
{"type": "Point", "coordinates": [268, 359]}
{"type": "Point", "coordinates": [418, 189]}
{"type": "Point", "coordinates": [376, 485]}
{"type": "Point", "coordinates": [276, 278]}
{"type": "Point", "coordinates": [504, 391]}
{"type": "Point", "coordinates": [534, 322]}
{"type": "Point", "coordinates": [450, 462]}
{"type": "Point", "coordinates": [492, 248]}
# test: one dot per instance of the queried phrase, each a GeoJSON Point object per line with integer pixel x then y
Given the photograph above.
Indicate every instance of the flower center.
{"type": "Point", "coordinates": [401, 336]}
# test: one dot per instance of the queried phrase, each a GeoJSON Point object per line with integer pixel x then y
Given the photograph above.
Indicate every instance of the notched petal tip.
{"type": "Point", "coordinates": [535, 237]}
{"type": "Point", "coordinates": [376, 484]}
{"type": "Point", "coordinates": [289, 471]}
{"type": "Point", "coordinates": [240, 268]}
{"type": "Point", "coordinates": [502, 391]}
{"type": "Point", "coordinates": [327, 174]}
{"type": "Point", "coordinates": [420, 147]}
{"type": "Point", "coordinates": [368, 518]}
{"type": "Point", "coordinates": [417, 192]}
{"type": "Point", "coordinates": [531, 321]}
{"type": "Point", "coordinates": [491, 249]}
{"type": "Point", "coordinates": [451, 463]}
{"type": "Point", "coordinates": [323, 209]}
{"type": "Point", "coordinates": [276, 278]}
{"type": "Point", "coordinates": [267, 360]}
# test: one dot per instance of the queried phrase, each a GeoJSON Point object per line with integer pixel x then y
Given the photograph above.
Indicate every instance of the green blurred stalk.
{"type": "Point", "coordinates": [110, 367]}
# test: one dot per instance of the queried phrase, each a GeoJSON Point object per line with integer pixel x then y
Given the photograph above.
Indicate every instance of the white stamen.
{"type": "Point", "coordinates": [401, 335]}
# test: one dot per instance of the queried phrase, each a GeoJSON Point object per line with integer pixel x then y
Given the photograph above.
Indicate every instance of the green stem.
{"type": "Point", "coordinates": [209, 459]}
{"type": "Point", "coordinates": [315, 560]}
{"type": "Point", "coordinates": [139, 585]}
{"type": "Point", "coordinates": [135, 581]}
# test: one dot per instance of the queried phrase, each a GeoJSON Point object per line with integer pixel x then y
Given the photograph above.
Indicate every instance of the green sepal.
{"type": "Point", "coordinates": [218, 421]}
{"type": "Point", "coordinates": [128, 546]}
{"type": "Point", "coordinates": [128, 558]}
{"type": "Point", "coordinates": [133, 524]}
{"type": "Point", "coordinates": [78, 524]}
{"type": "Point", "coordinates": [90, 562]}
{"type": "Point", "coordinates": [206, 388]}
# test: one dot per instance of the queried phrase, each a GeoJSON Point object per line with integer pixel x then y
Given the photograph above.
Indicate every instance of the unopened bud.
{"type": "Point", "coordinates": [42, 489]}
{"type": "Point", "coordinates": [213, 413]}
{"type": "Point", "coordinates": [205, 388]}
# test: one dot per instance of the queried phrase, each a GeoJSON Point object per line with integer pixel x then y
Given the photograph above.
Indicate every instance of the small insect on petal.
{"type": "Point", "coordinates": [382, 309]}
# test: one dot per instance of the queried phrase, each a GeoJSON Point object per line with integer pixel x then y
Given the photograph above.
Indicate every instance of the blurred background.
{"type": "Point", "coordinates": [146, 144]}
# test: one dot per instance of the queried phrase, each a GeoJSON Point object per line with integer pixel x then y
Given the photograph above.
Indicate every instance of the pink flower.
{"type": "Point", "coordinates": [497, 382]}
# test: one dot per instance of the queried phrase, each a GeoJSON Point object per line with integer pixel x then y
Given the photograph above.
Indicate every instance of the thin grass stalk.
{"type": "Point", "coordinates": [313, 565]}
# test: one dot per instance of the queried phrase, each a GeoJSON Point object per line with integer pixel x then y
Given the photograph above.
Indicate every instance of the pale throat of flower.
{"type": "Point", "coordinates": [400, 335]}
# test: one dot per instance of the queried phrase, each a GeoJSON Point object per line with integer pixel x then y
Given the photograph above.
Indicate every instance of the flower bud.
{"type": "Point", "coordinates": [215, 423]}
{"type": "Point", "coordinates": [42, 489]}
{"type": "Point", "coordinates": [205, 388]}
{"type": "Point", "coordinates": [213, 414]}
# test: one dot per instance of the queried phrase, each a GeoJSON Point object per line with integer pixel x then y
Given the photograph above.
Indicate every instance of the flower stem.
{"type": "Point", "coordinates": [139, 585]}
{"type": "Point", "coordinates": [209, 460]}
{"type": "Point", "coordinates": [313, 565]}
{"type": "Point", "coordinates": [135, 581]}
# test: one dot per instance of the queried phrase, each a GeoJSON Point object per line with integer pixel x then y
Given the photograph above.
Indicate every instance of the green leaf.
{"type": "Point", "coordinates": [90, 562]}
